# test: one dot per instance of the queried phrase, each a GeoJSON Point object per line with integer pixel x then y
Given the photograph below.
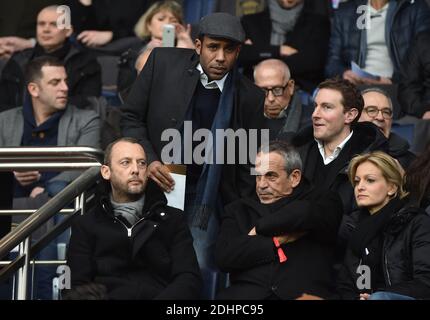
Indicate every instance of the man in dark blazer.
{"type": "Point", "coordinates": [280, 244]}
{"type": "Point", "coordinates": [133, 244]}
{"type": "Point", "coordinates": [182, 86]}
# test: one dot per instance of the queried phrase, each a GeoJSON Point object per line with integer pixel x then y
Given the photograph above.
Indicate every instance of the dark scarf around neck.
{"type": "Point", "coordinates": [373, 226]}
{"type": "Point", "coordinates": [207, 195]}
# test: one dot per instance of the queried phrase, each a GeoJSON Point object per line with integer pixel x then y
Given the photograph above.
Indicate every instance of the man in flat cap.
{"type": "Point", "coordinates": [193, 92]}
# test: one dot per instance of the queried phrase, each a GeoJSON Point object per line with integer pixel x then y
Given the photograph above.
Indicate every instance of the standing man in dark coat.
{"type": "Point", "coordinates": [133, 243]}
{"type": "Point", "coordinates": [281, 244]}
{"type": "Point", "coordinates": [182, 86]}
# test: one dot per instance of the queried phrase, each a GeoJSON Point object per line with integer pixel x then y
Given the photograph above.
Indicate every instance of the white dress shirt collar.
{"type": "Point", "coordinates": [336, 151]}
{"type": "Point", "coordinates": [214, 84]}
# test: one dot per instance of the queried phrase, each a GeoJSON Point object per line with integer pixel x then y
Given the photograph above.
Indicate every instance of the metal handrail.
{"type": "Point", "coordinates": [45, 158]}
{"type": "Point", "coordinates": [48, 158]}
{"type": "Point", "coordinates": [48, 210]}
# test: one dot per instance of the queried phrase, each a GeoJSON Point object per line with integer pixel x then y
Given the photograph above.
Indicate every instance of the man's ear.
{"type": "Point", "coordinates": [350, 115]}
{"type": "Point", "coordinates": [33, 89]}
{"type": "Point", "coordinates": [198, 45]}
{"type": "Point", "coordinates": [290, 87]}
{"type": "Point", "coordinates": [238, 51]}
{"type": "Point", "coordinates": [296, 177]}
{"type": "Point", "coordinates": [105, 172]}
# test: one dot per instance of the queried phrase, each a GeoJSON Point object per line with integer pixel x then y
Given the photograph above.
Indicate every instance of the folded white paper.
{"type": "Point", "coordinates": [176, 198]}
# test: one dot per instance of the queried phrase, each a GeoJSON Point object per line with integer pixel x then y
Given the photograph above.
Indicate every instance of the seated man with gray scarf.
{"type": "Point", "coordinates": [133, 244]}
{"type": "Point", "coordinates": [283, 108]}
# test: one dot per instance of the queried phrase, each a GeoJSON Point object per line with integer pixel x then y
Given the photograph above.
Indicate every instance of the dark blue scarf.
{"type": "Point", "coordinates": [206, 199]}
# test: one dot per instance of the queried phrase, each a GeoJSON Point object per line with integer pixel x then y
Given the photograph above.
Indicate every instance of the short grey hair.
{"type": "Point", "coordinates": [380, 91]}
{"type": "Point", "coordinates": [292, 159]}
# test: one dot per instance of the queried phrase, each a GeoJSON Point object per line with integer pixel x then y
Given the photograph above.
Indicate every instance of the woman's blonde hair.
{"type": "Point", "coordinates": [391, 170]}
{"type": "Point", "coordinates": [141, 28]}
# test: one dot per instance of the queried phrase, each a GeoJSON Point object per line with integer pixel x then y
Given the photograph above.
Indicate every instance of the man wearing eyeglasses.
{"type": "Point", "coordinates": [282, 106]}
{"type": "Point", "coordinates": [378, 109]}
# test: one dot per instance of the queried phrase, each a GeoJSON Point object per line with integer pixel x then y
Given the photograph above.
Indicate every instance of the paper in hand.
{"type": "Point", "coordinates": [176, 198]}
{"type": "Point", "coordinates": [361, 73]}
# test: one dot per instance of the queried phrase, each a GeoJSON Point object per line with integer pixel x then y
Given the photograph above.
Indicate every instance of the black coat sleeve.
{"type": "Point", "coordinates": [346, 287]}
{"type": "Point", "coordinates": [134, 113]}
{"type": "Point", "coordinates": [80, 253]}
{"type": "Point", "coordinates": [236, 250]}
{"type": "Point", "coordinates": [11, 86]}
{"type": "Point", "coordinates": [319, 217]}
{"type": "Point", "coordinates": [412, 78]}
{"type": "Point", "coordinates": [336, 65]}
{"type": "Point", "coordinates": [186, 280]}
{"type": "Point", "coordinates": [88, 84]}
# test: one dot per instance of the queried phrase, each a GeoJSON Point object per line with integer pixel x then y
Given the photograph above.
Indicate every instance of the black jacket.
{"type": "Point", "coordinates": [405, 19]}
{"type": "Point", "coordinates": [154, 259]}
{"type": "Point", "coordinates": [405, 255]}
{"type": "Point", "coordinates": [252, 261]}
{"type": "Point", "coordinates": [83, 72]}
{"type": "Point", "coordinates": [367, 137]}
{"type": "Point", "coordinates": [161, 96]}
{"type": "Point", "coordinates": [414, 86]}
{"type": "Point", "coordinates": [310, 37]}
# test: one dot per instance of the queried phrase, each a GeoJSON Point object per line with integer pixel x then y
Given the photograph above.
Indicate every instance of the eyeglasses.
{"type": "Point", "coordinates": [276, 91]}
{"type": "Point", "coordinates": [372, 112]}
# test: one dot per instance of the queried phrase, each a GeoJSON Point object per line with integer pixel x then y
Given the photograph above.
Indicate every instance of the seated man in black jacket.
{"type": "Point", "coordinates": [83, 70]}
{"type": "Point", "coordinates": [280, 245]}
{"type": "Point", "coordinates": [133, 243]}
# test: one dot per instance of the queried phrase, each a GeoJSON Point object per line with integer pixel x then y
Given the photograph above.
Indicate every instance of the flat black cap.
{"type": "Point", "coordinates": [222, 25]}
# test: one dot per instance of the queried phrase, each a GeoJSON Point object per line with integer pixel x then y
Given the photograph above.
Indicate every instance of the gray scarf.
{"type": "Point", "coordinates": [294, 115]}
{"type": "Point", "coordinates": [130, 211]}
{"type": "Point", "coordinates": [283, 21]}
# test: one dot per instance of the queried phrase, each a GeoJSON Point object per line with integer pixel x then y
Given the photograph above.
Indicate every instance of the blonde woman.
{"type": "Point", "coordinates": [388, 255]}
{"type": "Point", "coordinates": [150, 25]}
{"type": "Point", "coordinates": [150, 29]}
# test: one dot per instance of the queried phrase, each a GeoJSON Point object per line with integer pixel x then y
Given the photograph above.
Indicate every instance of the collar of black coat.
{"type": "Point", "coordinates": [60, 53]}
{"type": "Point", "coordinates": [366, 137]}
{"type": "Point", "coordinates": [155, 200]}
{"type": "Point", "coordinates": [397, 146]}
{"type": "Point", "coordinates": [300, 192]}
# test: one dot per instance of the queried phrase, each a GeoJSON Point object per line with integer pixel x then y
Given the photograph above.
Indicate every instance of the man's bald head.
{"type": "Point", "coordinates": [273, 76]}
{"type": "Point", "coordinates": [50, 35]}
{"type": "Point", "coordinates": [272, 66]}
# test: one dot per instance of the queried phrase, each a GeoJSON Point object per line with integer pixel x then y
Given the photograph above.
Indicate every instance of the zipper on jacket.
{"type": "Point", "coordinates": [386, 269]}
{"type": "Point", "coordinates": [129, 230]}
{"type": "Point", "coordinates": [385, 262]}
